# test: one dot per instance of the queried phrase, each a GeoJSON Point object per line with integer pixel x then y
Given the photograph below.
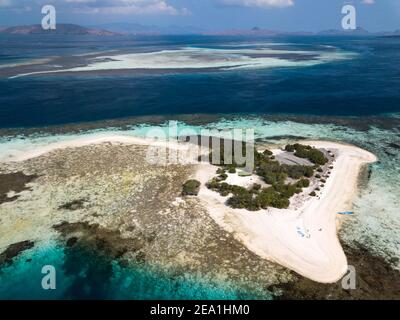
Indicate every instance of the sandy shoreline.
{"type": "Point", "coordinates": [273, 234]}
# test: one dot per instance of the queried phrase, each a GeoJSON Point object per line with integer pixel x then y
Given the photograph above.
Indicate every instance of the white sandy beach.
{"type": "Point", "coordinates": [273, 234]}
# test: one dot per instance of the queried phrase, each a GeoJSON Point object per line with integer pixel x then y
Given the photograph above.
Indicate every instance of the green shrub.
{"type": "Point", "coordinates": [297, 171]}
{"type": "Point", "coordinates": [281, 203]}
{"type": "Point", "coordinates": [213, 184]}
{"type": "Point", "coordinates": [266, 197]}
{"type": "Point", "coordinates": [318, 176]}
{"type": "Point", "coordinates": [313, 194]}
{"type": "Point", "coordinates": [303, 183]}
{"type": "Point", "coordinates": [285, 190]}
{"type": "Point", "coordinates": [223, 177]}
{"type": "Point", "coordinates": [243, 200]}
{"type": "Point", "coordinates": [290, 148]}
{"type": "Point", "coordinates": [269, 197]}
{"type": "Point", "coordinates": [272, 172]}
{"type": "Point", "coordinates": [191, 188]}
{"type": "Point", "coordinates": [255, 188]}
{"type": "Point", "coordinates": [307, 152]}
{"type": "Point", "coordinates": [267, 153]}
{"type": "Point", "coordinates": [232, 170]}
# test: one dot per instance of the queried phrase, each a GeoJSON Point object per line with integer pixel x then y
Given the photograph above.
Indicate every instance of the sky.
{"type": "Point", "coordinates": [211, 15]}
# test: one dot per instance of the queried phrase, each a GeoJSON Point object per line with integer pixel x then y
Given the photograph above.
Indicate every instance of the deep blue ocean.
{"type": "Point", "coordinates": [368, 84]}
{"type": "Point", "coordinates": [365, 85]}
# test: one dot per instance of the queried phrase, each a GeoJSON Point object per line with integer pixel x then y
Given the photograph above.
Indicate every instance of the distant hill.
{"type": "Point", "coordinates": [334, 32]}
{"type": "Point", "coordinates": [265, 32]}
{"type": "Point", "coordinates": [113, 29]}
{"type": "Point", "coordinates": [139, 29]}
{"type": "Point", "coordinates": [240, 32]}
{"type": "Point", "coordinates": [359, 32]}
{"type": "Point", "coordinates": [256, 31]}
{"type": "Point", "coordinates": [395, 34]}
{"type": "Point", "coordinates": [62, 29]}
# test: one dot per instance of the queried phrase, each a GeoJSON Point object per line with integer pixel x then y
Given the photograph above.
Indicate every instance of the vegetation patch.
{"type": "Point", "coordinates": [307, 152]}
{"type": "Point", "coordinates": [191, 188]}
{"type": "Point", "coordinates": [279, 192]}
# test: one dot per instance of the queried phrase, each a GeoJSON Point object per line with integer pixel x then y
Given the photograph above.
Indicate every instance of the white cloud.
{"type": "Point", "coordinates": [106, 6]}
{"type": "Point", "coordinates": [128, 7]}
{"type": "Point", "coordinates": [259, 3]}
{"type": "Point", "coordinates": [368, 1]}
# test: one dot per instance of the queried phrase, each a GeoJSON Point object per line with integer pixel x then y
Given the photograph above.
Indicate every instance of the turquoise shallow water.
{"type": "Point", "coordinates": [84, 275]}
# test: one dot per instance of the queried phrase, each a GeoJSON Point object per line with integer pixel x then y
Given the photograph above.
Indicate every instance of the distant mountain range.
{"type": "Point", "coordinates": [139, 29]}
{"type": "Point", "coordinates": [62, 29]}
{"type": "Point", "coordinates": [333, 32]}
{"type": "Point", "coordinates": [113, 29]}
{"type": "Point", "coordinates": [359, 32]}
{"type": "Point", "coordinates": [256, 32]}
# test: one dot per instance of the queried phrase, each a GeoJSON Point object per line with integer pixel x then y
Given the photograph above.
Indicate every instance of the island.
{"type": "Point", "coordinates": [285, 211]}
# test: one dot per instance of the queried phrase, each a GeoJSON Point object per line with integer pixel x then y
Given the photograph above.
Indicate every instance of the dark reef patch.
{"type": "Point", "coordinates": [73, 205]}
{"type": "Point", "coordinates": [71, 241]}
{"type": "Point", "coordinates": [375, 279]}
{"type": "Point", "coordinates": [281, 137]}
{"type": "Point", "coordinates": [90, 251]}
{"type": "Point", "coordinates": [108, 243]}
{"type": "Point", "coordinates": [364, 177]}
{"type": "Point", "coordinates": [13, 182]}
{"type": "Point", "coordinates": [13, 250]}
{"type": "Point", "coordinates": [394, 145]}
